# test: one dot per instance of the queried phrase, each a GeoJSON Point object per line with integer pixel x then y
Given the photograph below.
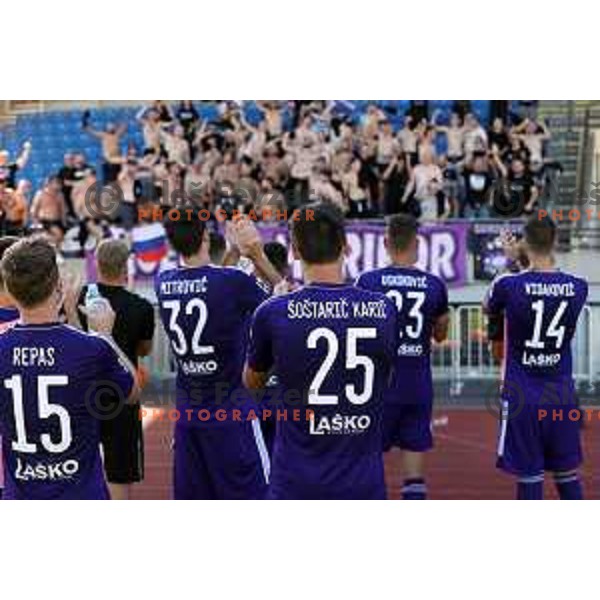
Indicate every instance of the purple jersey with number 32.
{"type": "Point", "coordinates": [206, 313]}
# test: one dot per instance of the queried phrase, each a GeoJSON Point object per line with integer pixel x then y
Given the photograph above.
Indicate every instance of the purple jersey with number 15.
{"type": "Point", "coordinates": [333, 348]}
{"type": "Point", "coordinates": [49, 376]}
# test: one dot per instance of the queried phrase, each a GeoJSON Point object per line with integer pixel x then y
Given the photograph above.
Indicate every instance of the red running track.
{"type": "Point", "coordinates": [461, 466]}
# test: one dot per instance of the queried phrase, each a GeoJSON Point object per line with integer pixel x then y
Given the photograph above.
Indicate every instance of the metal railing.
{"type": "Point", "coordinates": [464, 357]}
{"type": "Point", "coordinates": [471, 358]}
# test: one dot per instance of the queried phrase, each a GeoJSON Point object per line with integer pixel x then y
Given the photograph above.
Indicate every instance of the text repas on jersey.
{"type": "Point", "coordinates": [33, 356]}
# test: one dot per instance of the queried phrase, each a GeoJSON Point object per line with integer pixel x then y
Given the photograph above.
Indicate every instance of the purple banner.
{"type": "Point", "coordinates": [442, 249]}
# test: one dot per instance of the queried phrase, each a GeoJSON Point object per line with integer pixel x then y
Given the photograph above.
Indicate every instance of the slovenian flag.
{"type": "Point", "coordinates": [149, 242]}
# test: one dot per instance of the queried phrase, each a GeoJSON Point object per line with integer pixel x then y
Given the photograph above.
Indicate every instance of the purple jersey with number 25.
{"type": "Point", "coordinates": [333, 348]}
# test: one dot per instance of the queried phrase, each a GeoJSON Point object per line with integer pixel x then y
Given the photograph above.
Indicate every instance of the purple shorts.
{"type": "Point", "coordinates": [407, 426]}
{"type": "Point", "coordinates": [530, 442]}
{"type": "Point", "coordinates": [328, 477]}
{"type": "Point", "coordinates": [228, 461]}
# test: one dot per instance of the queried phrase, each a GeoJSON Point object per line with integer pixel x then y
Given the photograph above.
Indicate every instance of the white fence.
{"type": "Point", "coordinates": [465, 356]}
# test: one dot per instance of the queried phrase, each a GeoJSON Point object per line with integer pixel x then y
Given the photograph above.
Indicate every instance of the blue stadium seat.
{"type": "Point", "coordinates": [481, 108]}
{"type": "Point", "coordinates": [55, 132]}
{"type": "Point", "coordinates": [208, 112]}
{"type": "Point", "coordinates": [252, 113]}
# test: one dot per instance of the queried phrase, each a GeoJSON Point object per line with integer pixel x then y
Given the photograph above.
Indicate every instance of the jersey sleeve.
{"type": "Point", "coordinates": [391, 333]}
{"type": "Point", "coordinates": [250, 293]}
{"type": "Point", "coordinates": [260, 346]}
{"type": "Point", "coordinates": [442, 304]}
{"type": "Point", "coordinates": [115, 368]}
{"type": "Point", "coordinates": [495, 300]}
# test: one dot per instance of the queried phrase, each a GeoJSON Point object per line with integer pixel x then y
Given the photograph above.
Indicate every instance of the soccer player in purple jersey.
{"type": "Point", "coordinates": [277, 254]}
{"type": "Point", "coordinates": [9, 315]}
{"type": "Point", "coordinates": [422, 302]}
{"type": "Point", "coordinates": [206, 310]}
{"type": "Point", "coordinates": [332, 347]}
{"type": "Point", "coordinates": [50, 378]}
{"type": "Point", "coordinates": [541, 306]}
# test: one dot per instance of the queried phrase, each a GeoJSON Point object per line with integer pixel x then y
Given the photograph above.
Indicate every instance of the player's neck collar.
{"type": "Point", "coordinates": [184, 265]}
{"type": "Point", "coordinates": [553, 269]}
{"type": "Point", "coordinates": [326, 284]}
{"type": "Point", "coordinates": [46, 325]}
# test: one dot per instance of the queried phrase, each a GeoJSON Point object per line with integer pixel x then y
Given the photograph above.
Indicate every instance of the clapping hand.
{"type": "Point", "coordinates": [246, 235]}
{"type": "Point", "coordinates": [100, 316]}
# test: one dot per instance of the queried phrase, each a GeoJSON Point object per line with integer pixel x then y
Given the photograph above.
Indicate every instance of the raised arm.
{"type": "Point", "coordinates": [250, 245]}
{"type": "Point", "coordinates": [409, 188]}
{"type": "Point", "coordinates": [24, 156]}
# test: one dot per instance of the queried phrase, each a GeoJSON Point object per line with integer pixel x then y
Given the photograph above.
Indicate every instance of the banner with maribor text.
{"type": "Point", "coordinates": [442, 249]}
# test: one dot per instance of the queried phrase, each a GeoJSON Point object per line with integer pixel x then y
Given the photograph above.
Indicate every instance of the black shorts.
{"type": "Point", "coordinates": [49, 224]}
{"type": "Point", "coordinates": [123, 445]}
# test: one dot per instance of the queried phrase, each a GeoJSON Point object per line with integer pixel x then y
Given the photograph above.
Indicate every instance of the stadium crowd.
{"type": "Point", "coordinates": [421, 163]}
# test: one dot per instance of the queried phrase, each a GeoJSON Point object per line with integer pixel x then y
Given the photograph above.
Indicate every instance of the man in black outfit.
{"type": "Point", "coordinates": [122, 437]}
{"type": "Point", "coordinates": [8, 170]}
{"type": "Point", "coordinates": [478, 184]}
{"type": "Point", "coordinates": [66, 174]}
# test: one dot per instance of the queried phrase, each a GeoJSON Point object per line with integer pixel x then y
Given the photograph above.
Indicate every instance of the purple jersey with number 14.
{"type": "Point", "coordinates": [541, 309]}
{"type": "Point", "coordinates": [49, 375]}
{"type": "Point", "coordinates": [333, 348]}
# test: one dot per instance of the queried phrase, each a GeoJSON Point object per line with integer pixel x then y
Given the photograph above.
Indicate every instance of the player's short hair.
{"type": "Point", "coordinates": [5, 243]}
{"type": "Point", "coordinates": [112, 257]}
{"type": "Point", "coordinates": [217, 247]}
{"type": "Point", "coordinates": [540, 234]}
{"type": "Point", "coordinates": [401, 231]}
{"type": "Point", "coordinates": [185, 235]}
{"type": "Point", "coordinates": [318, 233]}
{"type": "Point", "coordinates": [278, 256]}
{"type": "Point", "coordinates": [30, 271]}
